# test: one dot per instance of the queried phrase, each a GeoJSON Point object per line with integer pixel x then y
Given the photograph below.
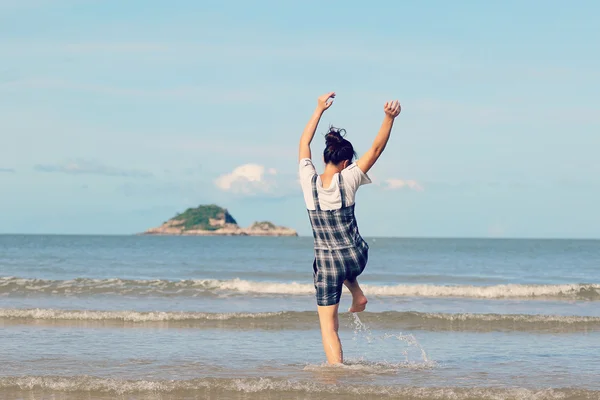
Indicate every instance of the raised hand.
{"type": "Point", "coordinates": [325, 101]}
{"type": "Point", "coordinates": [392, 108]}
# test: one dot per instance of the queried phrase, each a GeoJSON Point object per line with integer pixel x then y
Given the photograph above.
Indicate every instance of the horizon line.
{"type": "Point", "coordinates": [310, 236]}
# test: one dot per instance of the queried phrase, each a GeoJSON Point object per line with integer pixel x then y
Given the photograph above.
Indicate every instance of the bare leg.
{"type": "Point", "coordinates": [359, 301]}
{"type": "Point", "coordinates": [328, 317]}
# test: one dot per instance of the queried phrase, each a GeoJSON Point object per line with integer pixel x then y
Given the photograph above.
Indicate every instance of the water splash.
{"type": "Point", "coordinates": [361, 330]}
{"type": "Point", "coordinates": [411, 341]}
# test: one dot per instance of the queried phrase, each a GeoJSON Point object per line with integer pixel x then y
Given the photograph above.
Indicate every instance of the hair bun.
{"type": "Point", "coordinates": [337, 147]}
{"type": "Point", "coordinates": [334, 136]}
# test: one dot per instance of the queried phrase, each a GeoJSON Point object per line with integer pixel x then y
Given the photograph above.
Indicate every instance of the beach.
{"type": "Point", "coordinates": [158, 317]}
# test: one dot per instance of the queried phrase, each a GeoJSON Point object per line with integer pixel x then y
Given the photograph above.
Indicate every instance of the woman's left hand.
{"type": "Point", "coordinates": [325, 101]}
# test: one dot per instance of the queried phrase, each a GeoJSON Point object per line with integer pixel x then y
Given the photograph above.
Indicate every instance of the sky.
{"type": "Point", "coordinates": [115, 115]}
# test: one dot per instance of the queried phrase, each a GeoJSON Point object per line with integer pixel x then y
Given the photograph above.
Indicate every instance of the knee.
{"type": "Point", "coordinates": [330, 327]}
{"type": "Point", "coordinates": [329, 323]}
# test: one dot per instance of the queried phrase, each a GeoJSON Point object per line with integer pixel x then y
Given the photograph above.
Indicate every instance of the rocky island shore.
{"type": "Point", "coordinates": [212, 220]}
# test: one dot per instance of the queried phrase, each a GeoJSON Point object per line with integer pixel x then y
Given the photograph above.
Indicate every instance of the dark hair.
{"type": "Point", "coordinates": [337, 149]}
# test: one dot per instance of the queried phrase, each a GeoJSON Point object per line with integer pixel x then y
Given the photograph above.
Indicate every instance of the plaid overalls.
{"type": "Point", "coordinates": [340, 251]}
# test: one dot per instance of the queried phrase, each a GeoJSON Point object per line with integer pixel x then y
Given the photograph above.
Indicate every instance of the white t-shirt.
{"type": "Point", "coordinates": [329, 198]}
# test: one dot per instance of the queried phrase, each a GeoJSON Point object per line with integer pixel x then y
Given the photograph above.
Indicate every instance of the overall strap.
{"type": "Point", "coordinates": [342, 190]}
{"type": "Point", "coordinates": [315, 193]}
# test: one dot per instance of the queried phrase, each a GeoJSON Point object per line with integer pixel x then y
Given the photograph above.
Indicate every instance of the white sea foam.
{"type": "Point", "coordinates": [488, 292]}
{"type": "Point", "coordinates": [369, 367]}
{"type": "Point", "coordinates": [277, 386]}
{"type": "Point", "coordinates": [244, 286]}
{"type": "Point", "coordinates": [199, 287]}
{"type": "Point", "coordinates": [513, 318]}
{"type": "Point", "coordinates": [129, 316]}
{"type": "Point", "coordinates": [283, 320]}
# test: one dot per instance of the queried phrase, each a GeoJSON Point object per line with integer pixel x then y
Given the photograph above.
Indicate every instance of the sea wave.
{"type": "Point", "coordinates": [255, 388]}
{"type": "Point", "coordinates": [361, 367]}
{"type": "Point", "coordinates": [286, 320]}
{"type": "Point", "coordinates": [129, 316]}
{"type": "Point", "coordinates": [15, 286]}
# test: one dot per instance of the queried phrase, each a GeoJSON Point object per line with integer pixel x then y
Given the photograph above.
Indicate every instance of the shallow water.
{"type": "Point", "coordinates": [202, 318]}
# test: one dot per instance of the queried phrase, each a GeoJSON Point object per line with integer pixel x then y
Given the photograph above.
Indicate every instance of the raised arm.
{"type": "Point", "coordinates": [392, 110]}
{"type": "Point", "coordinates": [323, 103]}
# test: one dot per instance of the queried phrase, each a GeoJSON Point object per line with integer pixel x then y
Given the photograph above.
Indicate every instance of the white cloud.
{"type": "Point", "coordinates": [394, 184]}
{"type": "Point", "coordinates": [114, 47]}
{"type": "Point", "coordinates": [91, 168]}
{"type": "Point", "coordinates": [18, 5]}
{"type": "Point", "coordinates": [199, 93]}
{"type": "Point", "coordinates": [497, 229]}
{"type": "Point", "coordinates": [248, 179]}
{"type": "Point", "coordinates": [217, 142]}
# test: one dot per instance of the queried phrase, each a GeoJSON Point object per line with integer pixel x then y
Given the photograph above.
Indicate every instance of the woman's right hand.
{"type": "Point", "coordinates": [392, 108]}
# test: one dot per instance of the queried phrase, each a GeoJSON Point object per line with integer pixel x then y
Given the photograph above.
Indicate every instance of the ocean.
{"type": "Point", "coordinates": [145, 317]}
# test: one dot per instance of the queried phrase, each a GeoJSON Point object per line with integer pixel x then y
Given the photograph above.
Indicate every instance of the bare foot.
{"type": "Point", "coordinates": [359, 302]}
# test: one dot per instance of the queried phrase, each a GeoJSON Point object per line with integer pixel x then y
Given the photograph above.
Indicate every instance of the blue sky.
{"type": "Point", "coordinates": [116, 115]}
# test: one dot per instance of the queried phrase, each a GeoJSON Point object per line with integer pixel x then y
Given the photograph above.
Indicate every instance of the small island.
{"type": "Point", "coordinates": [212, 220]}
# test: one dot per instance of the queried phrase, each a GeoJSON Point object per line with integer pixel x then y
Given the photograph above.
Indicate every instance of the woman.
{"type": "Point", "coordinates": [340, 252]}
